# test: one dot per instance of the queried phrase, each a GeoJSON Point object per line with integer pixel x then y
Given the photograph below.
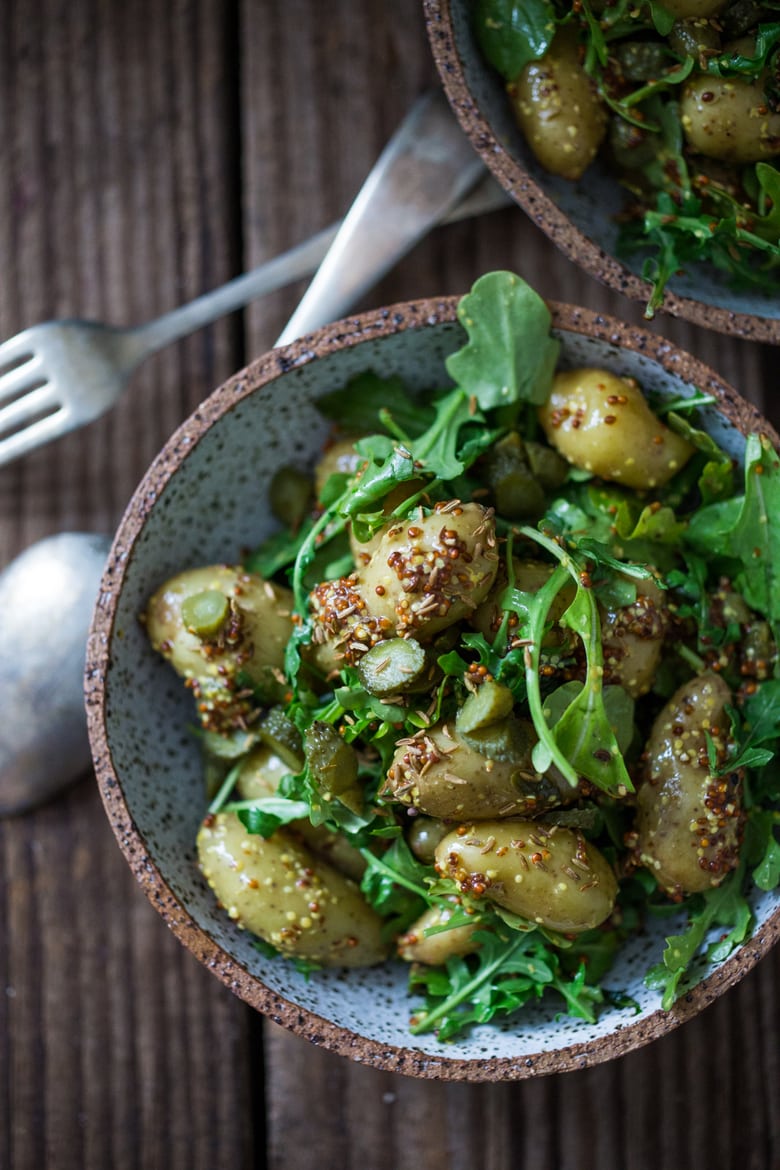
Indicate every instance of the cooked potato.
{"type": "Point", "coordinates": [437, 948]}
{"type": "Point", "coordinates": [602, 423]}
{"type": "Point", "coordinates": [338, 458]}
{"type": "Point", "coordinates": [530, 576]}
{"type": "Point", "coordinates": [423, 576]}
{"type": "Point", "coordinates": [428, 573]}
{"type": "Point", "coordinates": [278, 889]}
{"type": "Point", "coordinates": [689, 821]}
{"type": "Point", "coordinates": [729, 119]}
{"type": "Point", "coordinates": [259, 776]}
{"type": "Point", "coordinates": [549, 875]}
{"type": "Point", "coordinates": [440, 775]}
{"type": "Point", "coordinates": [215, 622]}
{"type": "Point", "coordinates": [632, 639]}
{"type": "Point", "coordinates": [559, 110]}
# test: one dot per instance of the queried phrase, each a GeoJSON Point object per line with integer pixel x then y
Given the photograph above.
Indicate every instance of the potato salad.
{"type": "Point", "coordinates": [680, 102]}
{"type": "Point", "coordinates": [502, 683]}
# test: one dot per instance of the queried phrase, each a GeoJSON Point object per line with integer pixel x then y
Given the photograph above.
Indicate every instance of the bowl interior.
{"type": "Point", "coordinates": [579, 217]}
{"type": "Point", "coordinates": [204, 501]}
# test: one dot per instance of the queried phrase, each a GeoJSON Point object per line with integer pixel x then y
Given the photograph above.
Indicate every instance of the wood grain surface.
{"type": "Point", "coordinates": [150, 151]}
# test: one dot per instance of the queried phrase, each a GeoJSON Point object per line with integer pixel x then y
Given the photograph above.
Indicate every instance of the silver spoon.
{"type": "Point", "coordinates": [46, 599]}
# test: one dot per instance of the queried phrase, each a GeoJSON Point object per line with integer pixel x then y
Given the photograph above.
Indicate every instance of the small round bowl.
{"type": "Point", "coordinates": [202, 501]}
{"type": "Point", "coordinates": [579, 217]}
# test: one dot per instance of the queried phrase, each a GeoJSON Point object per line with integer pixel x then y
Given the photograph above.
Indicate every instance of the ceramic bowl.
{"type": "Point", "coordinates": [202, 501]}
{"type": "Point", "coordinates": [579, 217]}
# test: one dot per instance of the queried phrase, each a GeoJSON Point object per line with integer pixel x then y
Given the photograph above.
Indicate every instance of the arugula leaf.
{"type": "Point", "coordinates": [723, 906]}
{"type": "Point", "coordinates": [746, 530]}
{"type": "Point", "coordinates": [510, 357]}
{"type": "Point", "coordinates": [511, 33]}
{"type": "Point", "coordinates": [506, 972]}
{"type": "Point", "coordinates": [466, 995]}
{"type": "Point", "coordinates": [265, 814]}
{"type": "Point", "coordinates": [736, 64]}
{"type": "Point", "coordinates": [396, 884]}
{"type": "Point", "coordinates": [767, 223]}
{"type": "Point", "coordinates": [360, 404]}
{"type": "Point", "coordinates": [762, 847]}
{"type": "Point", "coordinates": [582, 742]}
{"type": "Point", "coordinates": [761, 725]}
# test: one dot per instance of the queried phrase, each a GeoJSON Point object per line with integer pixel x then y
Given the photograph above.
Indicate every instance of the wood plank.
{"type": "Point", "coordinates": [118, 201]}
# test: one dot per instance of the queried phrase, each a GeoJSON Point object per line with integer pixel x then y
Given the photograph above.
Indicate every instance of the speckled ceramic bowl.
{"type": "Point", "coordinates": [578, 217]}
{"type": "Point", "coordinates": [202, 500]}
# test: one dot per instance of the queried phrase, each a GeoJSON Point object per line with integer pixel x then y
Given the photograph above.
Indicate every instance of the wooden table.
{"type": "Point", "coordinates": [150, 151]}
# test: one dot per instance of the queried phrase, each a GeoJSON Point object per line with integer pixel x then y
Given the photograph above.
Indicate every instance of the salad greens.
{"type": "Point", "coordinates": [682, 207]}
{"type": "Point", "coordinates": [708, 539]}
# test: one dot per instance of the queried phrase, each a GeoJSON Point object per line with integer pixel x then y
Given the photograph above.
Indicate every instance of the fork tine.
{"type": "Point", "coordinates": [35, 435]}
{"type": "Point", "coordinates": [27, 408]}
{"type": "Point", "coordinates": [19, 377]}
{"type": "Point", "coordinates": [16, 347]}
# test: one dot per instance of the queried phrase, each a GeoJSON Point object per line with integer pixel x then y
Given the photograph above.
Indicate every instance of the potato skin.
{"type": "Point", "coordinates": [428, 573]}
{"type": "Point", "coordinates": [728, 119]}
{"type": "Point", "coordinates": [424, 575]}
{"type": "Point", "coordinates": [550, 875]}
{"type": "Point", "coordinates": [261, 615]}
{"type": "Point", "coordinates": [414, 947]}
{"type": "Point", "coordinates": [633, 638]}
{"type": "Point", "coordinates": [338, 458]}
{"type": "Point", "coordinates": [437, 773]}
{"type": "Point", "coordinates": [558, 110]}
{"type": "Point", "coordinates": [276, 888]}
{"type": "Point", "coordinates": [689, 822]}
{"type": "Point", "coordinates": [259, 776]}
{"type": "Point", "coordinates": [602, 423]}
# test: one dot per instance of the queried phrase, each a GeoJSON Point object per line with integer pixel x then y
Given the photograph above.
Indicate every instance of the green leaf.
{"type": "Point", "coordinates": [359, 405]}
{"type": "Point", "coordinates": [663, 19]}
{"type": "Point", "coordinates": [767, 225]}
{"type": "Point", "coordinates": [584, 732]}
{"type": "Point", "coordinates": [766, 873]}
{"type": "Point", "coordinates": [264, 815]}
{"type": "Point", "coordinates": [723, 906]}
{"type": "Point", "coordinates": [760, 725]}
{"type": "Point", "coordinates": [511, 33]}
{"type": "Point", "coordinates": [746, 530]}
{"type": "Point", "coordinates": [510, 357]}
{"type": "Point", "coordinates": [737, 64]}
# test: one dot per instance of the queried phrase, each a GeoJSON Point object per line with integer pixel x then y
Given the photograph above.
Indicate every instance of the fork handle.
{"type": "Point", "coordinates": [292, 265]}
{"type": "Point", "coordinates": [295, 264]}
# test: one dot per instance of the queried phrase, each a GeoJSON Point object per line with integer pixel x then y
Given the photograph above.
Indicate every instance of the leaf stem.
{"type": "Point", "coordinates": [483, 975]}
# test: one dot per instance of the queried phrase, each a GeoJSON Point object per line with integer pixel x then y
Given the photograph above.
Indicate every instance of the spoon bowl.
{"type": "Point", "coordinates": [46, 600]}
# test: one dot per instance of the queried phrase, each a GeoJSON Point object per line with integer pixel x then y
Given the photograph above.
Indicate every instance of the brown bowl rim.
{"type": "Point", "coordinates": [539, 207]}
{"type": "Point", "coordinates": [301, 1021]}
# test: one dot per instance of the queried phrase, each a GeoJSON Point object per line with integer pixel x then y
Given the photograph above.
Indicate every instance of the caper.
{"type": "Point", "coordinates": [693, 36]}
{"type": "Point", "coordinates": [205, 613]}
{"type": "Point", "coordinates": [642, 60]}
{"type": "Point", "coordinates": [631, 146]}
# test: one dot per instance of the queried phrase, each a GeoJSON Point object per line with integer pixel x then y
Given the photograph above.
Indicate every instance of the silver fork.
{"type": "Point", "coordinates": [62, 374]}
